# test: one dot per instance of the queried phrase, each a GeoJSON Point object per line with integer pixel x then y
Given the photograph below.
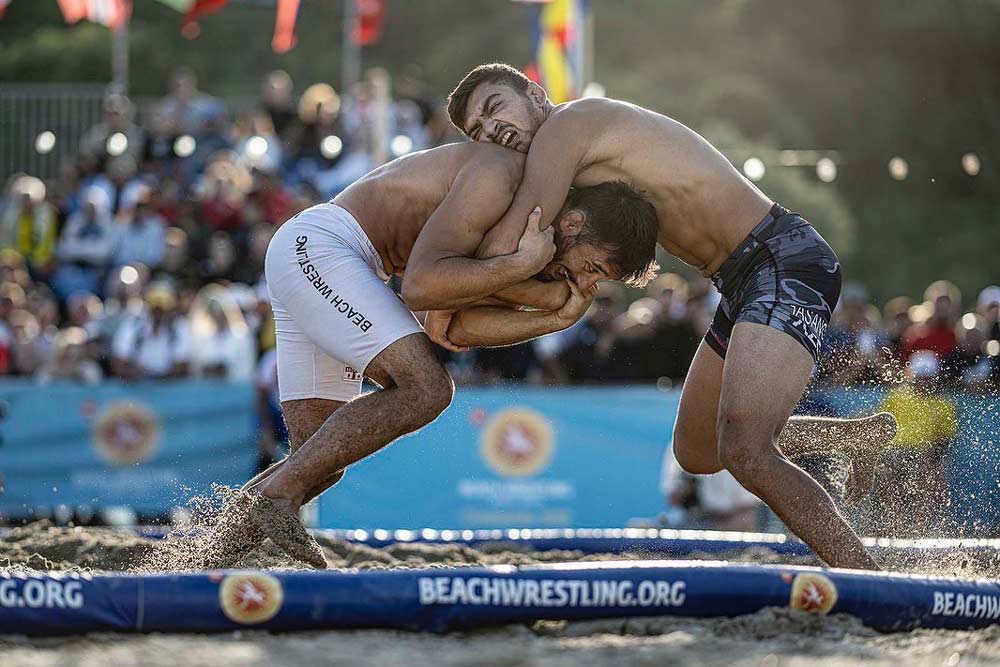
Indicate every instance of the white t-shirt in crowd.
{"type": "Point", "coordinates": [716, 493]}
{"type": "Point", "coordinates": [154, 352]}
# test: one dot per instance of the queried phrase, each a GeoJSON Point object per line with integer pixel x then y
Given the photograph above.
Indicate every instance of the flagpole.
{"type": "Point", "coordinates": [119, 59]}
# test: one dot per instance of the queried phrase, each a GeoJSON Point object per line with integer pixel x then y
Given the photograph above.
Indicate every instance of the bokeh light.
{"type": "Point", "coordinates": [45, 142]}
{"type": "Point", "coordinates": [331, 146]}
{"type": "Point", "coordinates": [400, 145]}
{"type": "Point", "coordinates": [256, 147]}
{"type": "Point", "coordinates": [128, 275]}
{"type": "Point", "coordinates": [117, 144]}
{"type": "Point", "coordinates": [826, 170]}
{"type": "Point", "coordinates": [971, 164]}
{"type": "Point", "coordinates": [899, 168]}
{"type": "Point", "coordinates": [184, 145]}
{"type": "Point", "coordinates": [754, 169]}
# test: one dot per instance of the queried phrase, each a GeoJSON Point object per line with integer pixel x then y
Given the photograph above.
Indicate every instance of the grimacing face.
{"type": "Point", "coordinates": [499, 114]}
{"type": "Point", "coordinates": [583, 263]}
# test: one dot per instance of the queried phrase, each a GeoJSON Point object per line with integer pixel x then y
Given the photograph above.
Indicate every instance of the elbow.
{"type": "Point", "coordinates": [418, 295]}
{"type": "Point", "coordinates": [458, 334]}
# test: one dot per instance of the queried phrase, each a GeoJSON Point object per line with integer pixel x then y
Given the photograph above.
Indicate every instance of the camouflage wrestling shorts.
{"type": "Point", "coordinates": [784, 275]}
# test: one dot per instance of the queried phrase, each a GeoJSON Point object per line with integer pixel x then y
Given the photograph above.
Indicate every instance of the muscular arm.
{"type": "Point", "coordinates": [489, 326]}
{"type": "Point", "coordinates": [557, 153]}
{"type": "Point", "coordinates": [496, 326]}
{"type": "Point", "coordinates": [442, 271]}
{"type": "Point", "coordinates": [536, 294]}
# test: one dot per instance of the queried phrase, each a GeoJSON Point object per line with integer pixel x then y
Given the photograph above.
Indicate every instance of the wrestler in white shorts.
{"type": "Point", "coordinates": [333, 311]}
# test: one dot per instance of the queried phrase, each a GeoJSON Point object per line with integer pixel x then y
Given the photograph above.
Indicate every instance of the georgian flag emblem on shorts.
{"type": "Point", "coordinates": [351, 375]}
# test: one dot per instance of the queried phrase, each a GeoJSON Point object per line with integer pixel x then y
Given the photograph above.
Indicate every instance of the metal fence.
{"type": "Point", "coordinates": [28, 110]}
{"type": "Point", "coordinates": [67, 111]}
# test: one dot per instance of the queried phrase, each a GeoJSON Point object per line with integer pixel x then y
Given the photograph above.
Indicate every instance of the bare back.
{"type": "Point", "coordinates": [392, 203]}
{"type": "Point", "coordinates": [705, 207]}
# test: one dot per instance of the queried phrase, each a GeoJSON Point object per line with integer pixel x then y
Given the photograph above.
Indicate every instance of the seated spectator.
{"type": "Point", "coordinates": [70, 360]}
{"type": "Point", "coordinates": [27, 353]}
{"type": "Point", "coordinates": [936, 333]}
{"type": "Point", "coordinates": [276, 101]}
{"type": "Point", "coordinates": [185, 109]}
{"type": "Point", "coordinates": [988, 306]}
{"type": "Point", "coordinates": [155, 344]}
{"type": "Point", "coordinates": [28, 225]}
{"type": "Point", "coordinates": [117, 118]}
{"type": "Point", "coordinates": [141, 235]}
{"type": "Point", "coordinates": [896, 320]}
{"type": "Point", "coordinates": [711, 502]}
{"type": "Point", "coordinates": [272, 198]}
{"type": "Point", "coordinates": [222, 343]}
{"type": "Point", "coordinates": [222, 205]}
{"type": "Point", "coordinates": [85, 247]}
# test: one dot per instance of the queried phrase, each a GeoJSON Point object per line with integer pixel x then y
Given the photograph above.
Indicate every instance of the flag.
{"type": "Point", "coordinates": [368, 15]}
{"type": "Point", "coordinates": [558, 65]}
{"type": "Point", "coordinates": [284, 26]}
{"type": "Point", "coordinates": [111, 13]}
{"type": "Point", "coordinates": [3, 7]}
{"type": "Point", "coordinates": [201, 8]}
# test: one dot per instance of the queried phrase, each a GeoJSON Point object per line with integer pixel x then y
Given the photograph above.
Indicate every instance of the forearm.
{"type": "Point", "coordinates": [491, 326]}
{"type": "Point", "coordinates": [453, 282]}
{"type": "Point", "coordinates": [536, 294]}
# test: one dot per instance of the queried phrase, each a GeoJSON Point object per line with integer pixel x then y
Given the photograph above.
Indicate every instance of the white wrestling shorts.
{"type": "Point", "coordinates": [333, 311]}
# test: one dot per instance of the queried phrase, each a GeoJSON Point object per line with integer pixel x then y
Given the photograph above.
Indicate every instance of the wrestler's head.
{"type": "Point", "coordinates": [497, 103]}
{"type": "Point", "coordinates": [604, 232]}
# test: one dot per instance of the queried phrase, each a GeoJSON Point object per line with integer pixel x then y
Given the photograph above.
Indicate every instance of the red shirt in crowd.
{"type": "Point", "coordinates": [934, 335]}
{"type": "Point", "coordinates": [221, 214]}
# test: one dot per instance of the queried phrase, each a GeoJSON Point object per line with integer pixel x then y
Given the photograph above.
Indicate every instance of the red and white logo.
{"type": "Point", "coordinates": [813, 593]}
{"type": "Point", "coordinates": [517, 443]}
{"type": "Point", "coordinates": [250, 598]}
{"type": "Point", "coordinates": [352, 375]}
{"type": "Point", "coordinates": [126, 433]}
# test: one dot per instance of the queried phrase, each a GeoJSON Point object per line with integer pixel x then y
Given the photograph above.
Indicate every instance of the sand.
{"type": "Point", "coordinates": [769, 638]}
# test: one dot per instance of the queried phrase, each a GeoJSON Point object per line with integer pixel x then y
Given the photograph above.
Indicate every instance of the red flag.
{"type": "Point", "coordinates": [203, 8]}
{"type": "Point", "coordinates": [73, 11]}
{"type": "Point", "coordinates": [284, 26]}
{"type": "Point", "coordinates": [110, 13]}
{"type": "Point", "coordinates": [368, 21]}
{"type": "Point", "coordinates": [3, 7]}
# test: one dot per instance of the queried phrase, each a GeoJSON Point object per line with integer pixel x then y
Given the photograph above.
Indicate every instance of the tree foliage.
{"type": "Point", "coordinates": [872, 80]}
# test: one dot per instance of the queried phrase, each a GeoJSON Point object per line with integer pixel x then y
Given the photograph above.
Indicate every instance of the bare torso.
{"type": "Point", "coordinates": [393, 202]}
{"type": "Point", "coordinates": [705, 206]}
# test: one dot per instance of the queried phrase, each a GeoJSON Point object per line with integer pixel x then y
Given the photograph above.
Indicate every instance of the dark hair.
{"type": "Point", "coordinates": [458, 100]}
{"type": "Point", "coordinates": [623, 222]}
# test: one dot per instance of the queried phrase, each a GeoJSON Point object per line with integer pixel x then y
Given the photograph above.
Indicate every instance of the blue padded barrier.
{"type": "Point", "coordinates": [448, 599]}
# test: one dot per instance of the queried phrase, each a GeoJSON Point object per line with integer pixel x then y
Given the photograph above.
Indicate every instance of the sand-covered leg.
{"type": "Point", "coordinates": [285, 530]}
{"type": "Point", "coordinates": [873, 436]}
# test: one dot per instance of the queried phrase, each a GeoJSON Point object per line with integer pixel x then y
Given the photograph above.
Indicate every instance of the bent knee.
{"type": "Point", "coordinates": [432, 391]}
{"type": "Point", "coordinates": [696, 453]}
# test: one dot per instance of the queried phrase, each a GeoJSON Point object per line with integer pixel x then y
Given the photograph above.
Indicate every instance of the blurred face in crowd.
{"type": "Point", "coordinates": [942, 308]}
{"type": "Point", "coordinates": [501, 114]}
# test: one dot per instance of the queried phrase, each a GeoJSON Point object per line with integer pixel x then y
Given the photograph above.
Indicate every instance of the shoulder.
{"type": "Point", "coordinates": [493, 166]}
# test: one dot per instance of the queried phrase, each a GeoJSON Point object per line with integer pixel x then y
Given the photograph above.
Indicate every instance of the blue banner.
{"type": "Point", "coordinates": [148, 446]}
{"type": "Point", "coordinates": [516, 456]}
{"type": "Point", "coordinates": [450, 599]}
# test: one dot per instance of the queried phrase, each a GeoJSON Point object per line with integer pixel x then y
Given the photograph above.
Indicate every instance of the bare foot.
{"type": "Point", "coordinates": [874, 435]}
{"type": "Point", "coordinates": [285, 530]}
